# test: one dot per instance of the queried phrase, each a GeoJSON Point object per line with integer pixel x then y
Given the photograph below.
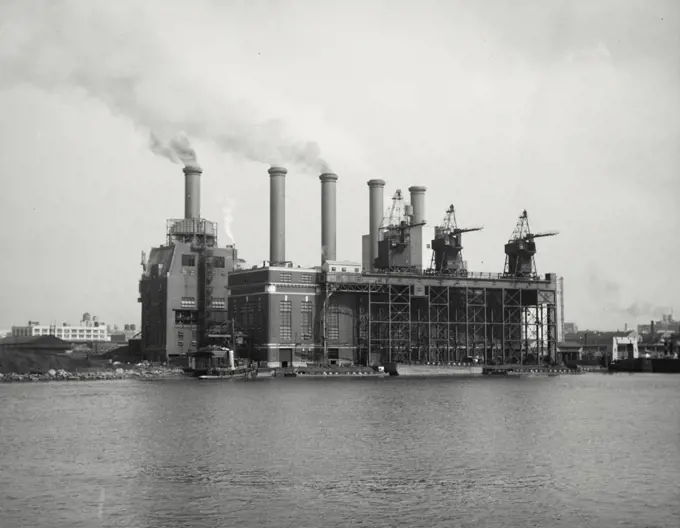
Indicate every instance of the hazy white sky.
{"type": "Point", "coordinates": [570, 109]}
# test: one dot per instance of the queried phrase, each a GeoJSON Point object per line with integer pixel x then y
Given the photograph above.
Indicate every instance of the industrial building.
{"type": "Point", "coordinates": [666, 324]}
{"type": "Point", "coordinates": [183, 289]}
{"type": "Point", "coordinates": [89, 329]}
{"type": "Point", "coordinates": [411, 299]}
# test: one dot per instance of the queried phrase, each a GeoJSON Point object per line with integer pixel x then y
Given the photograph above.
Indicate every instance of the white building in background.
{"type": "Point", "coordinates": [88, 330]}
{"type": "Point", "coordinates": [626, 347]}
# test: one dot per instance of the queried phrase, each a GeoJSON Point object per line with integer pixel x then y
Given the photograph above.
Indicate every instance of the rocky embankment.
{"type": "Point", "coordinates": [143, 373]}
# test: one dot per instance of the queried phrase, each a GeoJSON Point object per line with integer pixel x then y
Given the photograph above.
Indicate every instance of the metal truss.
{"type": "Point", "coordinates": [449, 323]}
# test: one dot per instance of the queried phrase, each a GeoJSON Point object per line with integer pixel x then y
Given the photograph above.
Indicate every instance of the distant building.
{"type": "Point", "coordinates": [569, 351]}
{"type": "Point", "coordinates": [66, 332]}
{"type": "Point", "coordinates": [47, 343]}
{"type": "Point", "coordinates": [616, 345]}
{"type": "Point", "coordinates": [570, 328]}
{"type": "Point", "coordinates": [666, 324]}
{"type": "Point", "coordinates": [123, 336]}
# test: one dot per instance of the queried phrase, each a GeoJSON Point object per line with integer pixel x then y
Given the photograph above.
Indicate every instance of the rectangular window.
{"type": "Point", "coordinates": [286, 320]}
{"type": "Point", "coordinates": [250, 314]}
{"type": "Point", "coordinates": [333, 323]}
{"type": "Point", "coordinates": [243, 314]}
{"type": "Point", "coordinates": [218, 262]}
{"type": "Point", "coordinates": [188, 302]}
{"type": "Point", "coordinates": [286, 277]}
{"type": "Point", "coordinates": [218, 303]}
{"type": "Point", "coordinates": [306, 322]}
{"type": "Point", "coordinates": [188, 260]}
{"type": "Point", "coordinates": [306, 278]}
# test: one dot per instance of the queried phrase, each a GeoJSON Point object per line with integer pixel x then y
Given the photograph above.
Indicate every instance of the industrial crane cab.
{"type": "Point", "coordinates": [521, 249]}
{"type": "Point", "coordinates": [447, 256]}
{"type": "Point", "coordinates": [520, 258]}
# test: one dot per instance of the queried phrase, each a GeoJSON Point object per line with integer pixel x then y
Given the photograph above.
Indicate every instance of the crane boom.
{"type": "Point", "coordinates": [467, 229]}
{"type": "Point", "coordinates": [545, 234]}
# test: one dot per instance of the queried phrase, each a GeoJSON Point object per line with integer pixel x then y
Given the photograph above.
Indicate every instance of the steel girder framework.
{"type": "Point", "coordinates": [450, 323]}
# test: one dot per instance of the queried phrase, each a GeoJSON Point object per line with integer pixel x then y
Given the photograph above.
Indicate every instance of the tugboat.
{"type": "Point", "coordinates": [217, 363]}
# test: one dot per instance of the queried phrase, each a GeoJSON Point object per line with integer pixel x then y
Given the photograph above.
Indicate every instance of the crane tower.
{"type": "Point", "coordinates": [447, 256]}
{"type": "Point", "coordinates": [521, 248]}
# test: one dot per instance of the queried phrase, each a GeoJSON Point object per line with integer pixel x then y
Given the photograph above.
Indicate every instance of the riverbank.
{"type": "Point", "coordinates": [142, 373]}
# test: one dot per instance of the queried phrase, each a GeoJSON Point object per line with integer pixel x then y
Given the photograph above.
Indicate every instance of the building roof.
{"type": "Point", "coordinates": [344, 262]}
{"type": "Point", "coordinates": [594, 338]}
{"type": "Point", "coordinates": [46, 341]}
{"type": "Point", "coordinates": [570, 344]}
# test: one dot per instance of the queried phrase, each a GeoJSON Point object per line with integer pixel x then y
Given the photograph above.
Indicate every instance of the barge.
{"type": "Point", "coordinates": [433, 369]}
{"type": "Point", "coordinates": [650, 365]}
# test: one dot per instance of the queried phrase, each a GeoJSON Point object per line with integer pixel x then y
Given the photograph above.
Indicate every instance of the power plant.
{"type": "Point", "coordinates": [184, 284]}
{"type": "Point", "coordinates": [411, 299]}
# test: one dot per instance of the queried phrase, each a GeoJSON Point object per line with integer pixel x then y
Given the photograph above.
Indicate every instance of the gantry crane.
{"type": "Point", "coordinates": [447, 256]}
{"type": "Point", "coordinates": [521, 248]}
{"type": "Point", "coordinates": [395, 239]}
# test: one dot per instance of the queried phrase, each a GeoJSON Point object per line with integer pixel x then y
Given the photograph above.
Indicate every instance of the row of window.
{"type": "Point", "coordinates": [332, 323]}
{"type": "Point", "coordinates": [247, 313]}
{"type": "Point", "coordinates": [286, 320]}
{"type": "Point", "coordinates": [180, 337]}
{"type": "Point", "coordinates": [219, 303]}
{"type": "Point", "coordinates": [189, 260]}
{"type": "Point", "coordinates": [305, 278]}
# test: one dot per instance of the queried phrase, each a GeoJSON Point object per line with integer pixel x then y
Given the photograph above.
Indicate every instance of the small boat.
{"type": "Point", "coordinates": [237, 373]}
{"type": "Point", "coordinates": [218, 363]}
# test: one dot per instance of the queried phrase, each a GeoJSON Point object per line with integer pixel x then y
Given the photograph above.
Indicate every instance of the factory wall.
{"type": "Point", "coordinates": [182, 294]}
{"type": "Point", "coordinates": [276, 308]}
{"type": "Point", "coordinates": [153, 297]}
{"type": "Point", "coordinates": [170, 296]}
{"type": "Point", "coordinates": [421, 246]}
{"type": "Point", "coordinates": [366, 252]}
{"type": "Point", "coordinates": [342, 322]}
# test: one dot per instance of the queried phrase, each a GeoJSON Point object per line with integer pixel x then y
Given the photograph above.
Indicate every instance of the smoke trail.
{"type": "Point", "coordinates": [177, 150]}
{"type": "Point", "coordinates": [228, 218]}
{"type": "Point", "coordinates": [117, 53]}
{"type": "Point", "coordinates": [638, 309]}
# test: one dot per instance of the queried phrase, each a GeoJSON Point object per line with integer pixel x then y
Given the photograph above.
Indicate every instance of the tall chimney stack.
{"type": "Point", "coordinates": [418, 203]}
{"type": "Point", "coordinates": [376, 213]}
{"type": "Point", "coordinates": [328, 216]}
{"type": "Point", "coordinates": [192, 192]}
{"type": "Point", "coordinates": [277, 215]}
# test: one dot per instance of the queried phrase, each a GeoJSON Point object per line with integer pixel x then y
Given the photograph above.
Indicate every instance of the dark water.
{"type": "Point", "coordinates": [586, 451]}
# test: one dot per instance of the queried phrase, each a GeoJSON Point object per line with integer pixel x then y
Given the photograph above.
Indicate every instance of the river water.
{"type": "Point", "coordinates": [588, 451]}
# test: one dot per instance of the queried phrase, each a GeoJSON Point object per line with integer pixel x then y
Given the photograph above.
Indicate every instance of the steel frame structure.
{"type": "Point", "coordinates": [494, 321]}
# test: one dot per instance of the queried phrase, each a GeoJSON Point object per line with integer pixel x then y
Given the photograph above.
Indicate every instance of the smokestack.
{"type": "Point", "coordinates": [328, 216]}
{"type": "Point", "coordinates": [418, 203]}
{"type": "Point", "coordinates": [192, 192]}
{"type": "Point", "coordinates": [376, 213]}
{"type": "Point", "coordinates": [277, 215]}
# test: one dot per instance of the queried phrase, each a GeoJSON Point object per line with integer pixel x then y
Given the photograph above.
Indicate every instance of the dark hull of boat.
{"type": "Point", "coordinates": [656, 366]}
{"type": "Point", "coordinates": [224, 374]}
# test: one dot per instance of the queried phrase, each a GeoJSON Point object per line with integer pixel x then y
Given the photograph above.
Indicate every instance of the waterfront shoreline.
{"type": "Point", "coordinates": [143, 373]}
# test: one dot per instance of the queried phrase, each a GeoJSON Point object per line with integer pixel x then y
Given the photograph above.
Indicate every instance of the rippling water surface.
{"type": "Point", "coordinates": [586, 451]}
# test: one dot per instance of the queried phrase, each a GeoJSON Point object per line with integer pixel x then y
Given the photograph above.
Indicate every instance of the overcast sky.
{"type": "Point", "coordinates": [568, 109]}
